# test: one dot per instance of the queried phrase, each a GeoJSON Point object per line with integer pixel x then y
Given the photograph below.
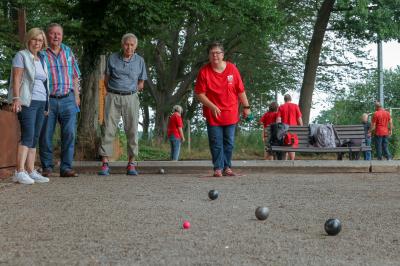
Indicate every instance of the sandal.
{"type": "Point", "coordinates": [228, 172]}
{"type": "Point", "coordinates": [217, 173]}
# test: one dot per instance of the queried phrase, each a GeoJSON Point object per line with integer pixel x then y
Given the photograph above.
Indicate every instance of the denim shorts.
{"type": "Point", "coordinates": [31, 121]}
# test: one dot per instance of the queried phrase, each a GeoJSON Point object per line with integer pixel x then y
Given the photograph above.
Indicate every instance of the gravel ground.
{"type": "Point", "coordinates": [121, 220]}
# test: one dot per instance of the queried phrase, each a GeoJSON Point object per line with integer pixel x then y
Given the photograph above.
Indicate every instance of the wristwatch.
{"type": "Point", "coordinates": [246, 107]}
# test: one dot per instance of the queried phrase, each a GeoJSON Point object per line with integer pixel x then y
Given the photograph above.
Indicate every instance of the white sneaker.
{"type": "Point", "coordinates": [38, 178]}
{"type": "Point", "coordinates": [23, 178]}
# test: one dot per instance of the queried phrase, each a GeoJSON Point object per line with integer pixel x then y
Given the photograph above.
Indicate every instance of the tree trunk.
{"type": "Point", "coordinates": [161, 121]}
{"type": "Point", "coordinates": [146, 122]}
{"type": "Point", "coordinates": [88, 128]}
{"type": "Point", "coordinates": [314, 50]}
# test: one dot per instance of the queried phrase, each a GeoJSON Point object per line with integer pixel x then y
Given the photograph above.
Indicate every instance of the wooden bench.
{"type": "Point", "coordinates": [345, 132]}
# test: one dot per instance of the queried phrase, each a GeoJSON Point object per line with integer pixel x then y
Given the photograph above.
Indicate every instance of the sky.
{"type": "Point", "coordinates": [391, 54]}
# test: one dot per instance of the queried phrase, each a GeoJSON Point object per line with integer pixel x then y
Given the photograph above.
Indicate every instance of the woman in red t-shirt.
{"type": "Point", "coordinates": [175, 132]}
{"type": "Point", "coordinates": [267, 119]}
{"type": "Point", "coordinates": [219, 88]}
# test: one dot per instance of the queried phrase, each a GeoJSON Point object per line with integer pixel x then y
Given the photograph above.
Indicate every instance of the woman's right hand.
{"type": "Point", "coordinates": [16, 106]}
{"type": "Point", "coordinates": [215, 111]}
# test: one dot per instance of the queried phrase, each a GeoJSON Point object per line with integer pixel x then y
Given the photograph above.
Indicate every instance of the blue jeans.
{"type": "Point", "coordinates": [382, 143]}
{"type": "Point", "coordinates": [221, 140]}
{"type": "Point", "coordinates": [64, 111]}
{"type": "Point", "coordinates": [367, 154]}
{"type": "Point", "coordinates": [175, 147]}
{"type": "Point", "coordinates": [31, 122]}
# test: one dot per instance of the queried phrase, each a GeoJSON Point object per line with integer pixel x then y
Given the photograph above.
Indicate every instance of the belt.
{"type": "Point", "coordinates": [59, 96]}
{"type": "Point", "coordinates": [121, 92]}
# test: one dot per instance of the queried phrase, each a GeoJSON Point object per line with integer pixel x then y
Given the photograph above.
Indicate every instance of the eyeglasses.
{"type": "Point", "coordinates": [216, 53]}
{"type": "Point", "coordinates": [37, 40]}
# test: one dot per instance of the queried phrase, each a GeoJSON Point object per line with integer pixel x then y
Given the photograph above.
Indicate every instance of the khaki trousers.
{"type": "Point", "coordinates": [116, 106]}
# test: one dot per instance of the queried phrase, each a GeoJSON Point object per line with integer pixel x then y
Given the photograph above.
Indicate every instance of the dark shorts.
{"type": "Point", "coordinates": [31, 120]}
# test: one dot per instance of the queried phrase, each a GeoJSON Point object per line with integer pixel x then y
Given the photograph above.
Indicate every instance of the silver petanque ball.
{"type": "Point", "coordinates": [262, 213]}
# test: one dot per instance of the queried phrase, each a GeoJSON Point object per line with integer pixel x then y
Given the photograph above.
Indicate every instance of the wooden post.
{"type": "Point", "coordinates": [21, 24]}
{"type": "Point", "coordinates": [188, 135]}
{"type": "Point", "coordinates": [10, 134]}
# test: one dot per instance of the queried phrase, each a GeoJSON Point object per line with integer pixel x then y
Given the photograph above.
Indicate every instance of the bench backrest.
{"type": "Point", "coordinates": [345, 132]}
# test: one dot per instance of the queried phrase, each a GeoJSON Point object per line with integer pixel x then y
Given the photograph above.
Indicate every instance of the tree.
{"type": "Point", "coordinates": [103, 24]}
{"type": "Point", "coordinates": [364, 20]}
{"type": "Point", "coordinates": [177, 49]}
{"type": "Point", "coordinates": [8, 41]}
{"type": "Point", "coordinates": [312, 60]}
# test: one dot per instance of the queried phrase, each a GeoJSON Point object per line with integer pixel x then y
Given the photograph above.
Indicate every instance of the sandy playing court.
{"type": "Point", "coordinates": [120, 220]}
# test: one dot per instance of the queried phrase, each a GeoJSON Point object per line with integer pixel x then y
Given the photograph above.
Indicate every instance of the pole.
{"type": "Point", "coordinates": [380, 74]}
{"type": "Point", "coordinates": [188, 135]}
{"type": "Point", "coordinates": [21, 24]}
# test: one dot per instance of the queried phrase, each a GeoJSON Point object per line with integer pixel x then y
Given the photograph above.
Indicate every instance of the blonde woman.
{"type": "Point", "coordinates": [29, 95]}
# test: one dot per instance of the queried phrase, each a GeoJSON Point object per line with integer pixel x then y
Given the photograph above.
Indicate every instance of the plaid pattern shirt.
{"type": "Point", "coordinates": [63, 69]}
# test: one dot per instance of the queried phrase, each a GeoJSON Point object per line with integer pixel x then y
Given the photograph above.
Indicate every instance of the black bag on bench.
{"type": "Point", "coordinates": [277, 136]}
{"type": "Point", "coordinates": [353, 154]}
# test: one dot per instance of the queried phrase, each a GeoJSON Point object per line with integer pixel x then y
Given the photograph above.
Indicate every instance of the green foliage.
{"type": "Point", "coordinates": [369, 19]}
{"type": "Point", "coordinates": [176, 49]}
{"type": "Point", "coordinates": [8, 44]}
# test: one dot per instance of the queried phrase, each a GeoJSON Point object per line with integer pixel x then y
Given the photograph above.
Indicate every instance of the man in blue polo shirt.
{"type": "Point", "coordinates": [124, 77]}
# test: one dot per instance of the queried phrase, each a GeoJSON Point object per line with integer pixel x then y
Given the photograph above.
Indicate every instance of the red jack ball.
{"type": "Point", "coordinates": [186, 225]}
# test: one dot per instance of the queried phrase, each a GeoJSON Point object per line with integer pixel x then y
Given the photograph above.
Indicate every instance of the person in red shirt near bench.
{"type": "Point", "coordinates": [220, 89]}
{"type": "Point", "coordinates": [289, 113]}
{"type": "Point", "coordinates": [267, 119]}
{"type": "Point", "coordinates": [380, 122]}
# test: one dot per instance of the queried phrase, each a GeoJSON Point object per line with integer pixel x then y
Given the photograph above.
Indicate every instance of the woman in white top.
{"type": "Point", "coordinates": [29, 96]}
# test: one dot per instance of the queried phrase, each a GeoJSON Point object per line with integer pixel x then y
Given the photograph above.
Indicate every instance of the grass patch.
{"type": "Point", "coordinates": [248, 145]}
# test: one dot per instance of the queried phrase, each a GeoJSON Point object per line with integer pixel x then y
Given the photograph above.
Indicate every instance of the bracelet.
{"type": "Point", "coordinates": [246, 107]}
{"type": "Point", "coordinates": [15, 98]}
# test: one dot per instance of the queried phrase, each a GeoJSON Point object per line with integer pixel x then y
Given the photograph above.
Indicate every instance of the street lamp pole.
{"type": "Point", "coordinates": [380, 73]}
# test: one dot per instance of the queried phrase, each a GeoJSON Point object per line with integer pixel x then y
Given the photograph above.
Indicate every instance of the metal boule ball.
{"type": "Point", "coordinates": [333, 226]}
{"type": "Point", "coordinates": [262, 213]}
{"type": "Point", "coordinates": [213, 194]}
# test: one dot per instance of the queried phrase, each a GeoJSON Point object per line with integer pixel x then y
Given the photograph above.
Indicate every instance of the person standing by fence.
{"type": "Point", "coordinates": [382, 125]}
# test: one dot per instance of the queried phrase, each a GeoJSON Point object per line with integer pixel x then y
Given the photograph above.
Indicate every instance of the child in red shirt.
{"type": "Point", "coordinates": [267, 119]}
